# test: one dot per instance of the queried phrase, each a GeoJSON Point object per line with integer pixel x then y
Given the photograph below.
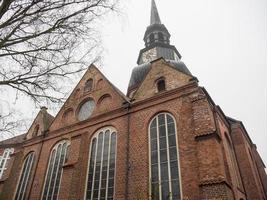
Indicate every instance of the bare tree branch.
{"type": "Point", "coordinates": [44, 43]}
{"type": "Point", "coordinates": [42, 39]}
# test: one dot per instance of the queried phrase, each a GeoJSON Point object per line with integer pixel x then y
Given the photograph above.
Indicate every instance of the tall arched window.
{"type": "Point", "coordinates": [164, 163]}
{"type": "Point", "coordinates": [24, 177]}
{"type": "Point", "coordinates": [54, 171]}
{"type": "Point", "coordinates": [4, 160]}
{"type": "Point", "coordinates": [101, 172]}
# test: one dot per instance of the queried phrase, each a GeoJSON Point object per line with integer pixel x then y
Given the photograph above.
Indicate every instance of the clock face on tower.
{"type": "Point", "coordinates": [149, 55]}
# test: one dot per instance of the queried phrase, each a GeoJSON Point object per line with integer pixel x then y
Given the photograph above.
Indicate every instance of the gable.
{"type": "Point", "coordinates": [40, 124]}
{"type": "Point", "coordinates": [93, 89]}
{"type": "Point", "coordinates": [160, 69]}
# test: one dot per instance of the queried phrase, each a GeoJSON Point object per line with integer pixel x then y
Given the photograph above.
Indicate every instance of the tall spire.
{"type": "Point", "coordinates": [154, 18]}
{"type": "Point", "coordinates": [157, 40]}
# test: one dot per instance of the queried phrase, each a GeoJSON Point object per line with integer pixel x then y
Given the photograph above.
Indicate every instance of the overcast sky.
{"type": "Point", "coordinates": [223, 43]}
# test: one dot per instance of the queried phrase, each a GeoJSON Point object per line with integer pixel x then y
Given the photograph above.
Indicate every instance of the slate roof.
{"type": "Point", "coordinates": [154, 19]}
{"type": "Point", "coordinates": [140, 72]}
{"type": "Point", "coordinates": [13, 140]}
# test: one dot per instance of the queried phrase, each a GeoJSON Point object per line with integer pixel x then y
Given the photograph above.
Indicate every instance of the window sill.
{"type": "Point", "coordinates": [69, 165]}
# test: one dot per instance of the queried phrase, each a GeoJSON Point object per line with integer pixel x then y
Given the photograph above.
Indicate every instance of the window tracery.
{"type": "Point", "coordinates": [101, 170]}
{"type": "Point", "coordinates": [54, 171]}
{"type": "Point", "coordinates": [164, 162]}
{"type": "Point", "coordinates": [25, 176]}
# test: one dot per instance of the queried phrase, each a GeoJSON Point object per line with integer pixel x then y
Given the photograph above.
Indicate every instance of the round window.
{"type": "Point", "coordinates": [86, 110]}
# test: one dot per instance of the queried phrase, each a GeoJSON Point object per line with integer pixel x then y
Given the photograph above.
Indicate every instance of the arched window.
{"type": "Point", "coordinates": [101, 172]}
{"type": "Point", "coordinates": [88, 85]}
{"type": "Point", "coordinates": [161, 85]}
{"type": "Point", "coordinates": [35, 131]}
{"type": "Point", "coordinates": [4, 160]}
{"type": "Point", "coordinates": [24, 177]}
{"type": "Point", "coordinates": [164, 163]}
{"type": "Point", "coordinates": [54, 171]}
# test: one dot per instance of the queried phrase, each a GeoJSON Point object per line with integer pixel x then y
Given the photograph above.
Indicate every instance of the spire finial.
{"type": "Point", "coordinates": [154, 19]}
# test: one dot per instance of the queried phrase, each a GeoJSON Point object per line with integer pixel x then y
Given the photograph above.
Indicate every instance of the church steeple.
{"type": "Point", "coordinates": [157, 45]}
{"type": "Point", "coordinates": [154, 18]}
{"type": "Point", "coordinates": [157, 40]}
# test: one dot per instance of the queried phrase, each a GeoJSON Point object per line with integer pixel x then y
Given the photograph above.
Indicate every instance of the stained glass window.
{"type": "Point", "coordinates": [24, 177]}
{"type": "Point", "coordinates": [164, 163]}
{"type": "Point", "coordinates": [57, 159]}
{"type": "Point", "coordinates": [4, 160]}
{"type": "Point", "coordinates": [101, 172]}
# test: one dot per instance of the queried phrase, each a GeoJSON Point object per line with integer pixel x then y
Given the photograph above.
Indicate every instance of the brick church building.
{"type": "Point", "coordinates": [166, 139]}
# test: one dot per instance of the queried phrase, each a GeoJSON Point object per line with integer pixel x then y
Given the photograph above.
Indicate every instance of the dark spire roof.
{"type": "Point", "coordinates": [154, 18]}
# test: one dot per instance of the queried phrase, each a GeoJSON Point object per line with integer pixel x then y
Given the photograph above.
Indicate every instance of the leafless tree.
{"type": "Point", "coordinates": [9, 124]}
{"type": "Point", "coordinates": [45, 42]}
{"type": "Point", "coordinates": [42, 41]}
{"type": "Point", "coordinates": [10, 121]}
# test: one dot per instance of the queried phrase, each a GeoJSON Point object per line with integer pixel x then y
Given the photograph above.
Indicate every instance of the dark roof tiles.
{"type": "Point", "coordinates": [139, 73]}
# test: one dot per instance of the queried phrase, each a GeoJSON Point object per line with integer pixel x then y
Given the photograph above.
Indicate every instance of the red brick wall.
{"type": "Point", "coordinates": [231, 165]}
{"type": "Point", "coordinates": [252, 185]}
{"type": "Point", "coordinates": [261, 169]}
{"type": "Point", "coordinates": [181, 109]}
{"type": "Point", "coordinates": [205, 173]}
{"type": "Point", "coordinates": [197, 169]}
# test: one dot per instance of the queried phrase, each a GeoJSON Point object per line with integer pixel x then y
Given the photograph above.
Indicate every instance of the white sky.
{"type": "Point", "coordinates": [223, 43]}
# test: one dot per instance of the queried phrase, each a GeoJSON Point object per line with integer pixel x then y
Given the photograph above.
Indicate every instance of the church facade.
{"type": "Point", "coordinates": [166, 139]}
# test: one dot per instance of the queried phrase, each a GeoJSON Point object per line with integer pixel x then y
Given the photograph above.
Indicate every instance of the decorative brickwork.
{"type": "Point", "coordinates": [219, 191]}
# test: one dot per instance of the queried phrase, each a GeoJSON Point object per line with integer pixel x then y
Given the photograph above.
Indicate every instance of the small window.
{"type": "Point", "coordinates": [151, 38]}
{"type": "Point", "coordinates": [88, 85]}
{"type": "Point", "coordinates": [35, 131]}
{"type": "Point", "coordinates": [161, 85]}
{"type": "Point", "coordinates": [161, 38]}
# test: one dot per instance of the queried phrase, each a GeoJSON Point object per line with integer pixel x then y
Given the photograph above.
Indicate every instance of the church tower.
{"type": "Point", "coordinates": [157, 45]}
{"type": "Point", "coordinates": [157, 40]}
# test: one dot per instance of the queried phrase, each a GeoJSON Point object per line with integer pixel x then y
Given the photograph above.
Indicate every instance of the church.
{"type": "Point", "coordinates": [166, 139]}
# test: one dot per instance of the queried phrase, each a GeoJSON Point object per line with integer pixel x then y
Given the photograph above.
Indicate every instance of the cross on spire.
{"type": "Point", "coordinates": [154, 18]}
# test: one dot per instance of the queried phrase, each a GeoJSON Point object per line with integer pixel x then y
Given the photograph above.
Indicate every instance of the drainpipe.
{"type": "Point", "coordinates": [128, 107]}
